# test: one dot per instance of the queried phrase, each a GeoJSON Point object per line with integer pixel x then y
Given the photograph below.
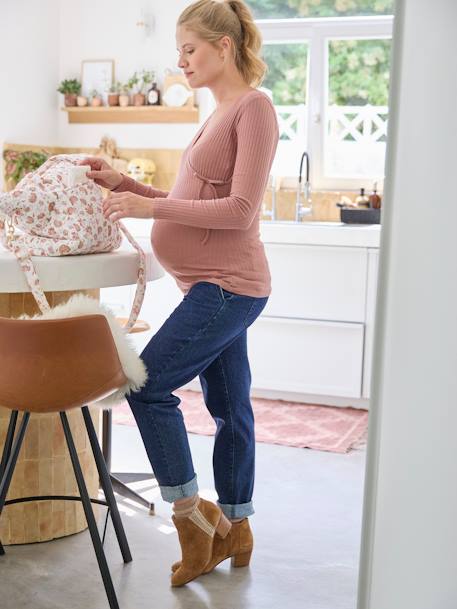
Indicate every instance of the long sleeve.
{"type": "Point", "coordinates": [131, 185]}
{"type": "Point", "coordinates": [257, 138]}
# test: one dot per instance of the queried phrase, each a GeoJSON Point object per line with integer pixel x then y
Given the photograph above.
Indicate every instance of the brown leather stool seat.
{"type": "Point", "coordinates": [53, 365]}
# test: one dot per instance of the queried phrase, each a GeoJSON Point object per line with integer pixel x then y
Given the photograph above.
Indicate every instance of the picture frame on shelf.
{"type": "Point", "coordinates": [97, 74]}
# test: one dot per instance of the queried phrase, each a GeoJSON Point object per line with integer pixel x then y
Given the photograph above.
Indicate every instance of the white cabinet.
{"type": "Point", "coordinates": [315, 335]}
{"type": "Point", "coordinates": [300, 356]}
{"type": "Point", "coordinates": [317, 282]}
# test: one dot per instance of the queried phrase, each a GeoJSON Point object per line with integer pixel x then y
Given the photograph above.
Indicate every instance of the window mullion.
{"type": "Point", "coordinates": [316, 106]}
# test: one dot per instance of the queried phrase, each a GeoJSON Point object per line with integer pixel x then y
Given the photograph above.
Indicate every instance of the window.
{"type": "Point", "coordinates": [356, 108]}
{"type": "Point", "coordinates": [328, 78]}
{"type": "Point", "coordinates": [286, 83]}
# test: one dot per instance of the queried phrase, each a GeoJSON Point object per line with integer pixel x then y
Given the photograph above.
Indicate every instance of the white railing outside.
{"type": "Point", "coordinates": [354, 141]}
{"type": "Point", "coordinates": [292, 122]}
{"type": "Point", "coordinates": [362, 124]}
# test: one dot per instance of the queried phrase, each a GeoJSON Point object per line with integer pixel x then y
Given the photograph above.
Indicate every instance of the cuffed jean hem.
{"type": "Point", "coordinates": [238, 510]}
{"type": "Point", "coordinates": [171, 493]}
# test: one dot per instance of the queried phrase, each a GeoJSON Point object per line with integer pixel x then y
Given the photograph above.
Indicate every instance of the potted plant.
{"type": "Point", "coordinates": [81, 101]}
{"type": "Point", "coordinates": [124, 96]}
{"type": "Point", "coordinates": [136, 84]}
{"type": "Point", "coordinates": [70, 89]}
{"type": "Point", "coordinates": [96, 98]}
{"type": "Point", "coordinates": [113, 94]}
{"type": "Point", "coordinates": [146, 80]}
{"type": "Point", "coordinates": [17, 164]}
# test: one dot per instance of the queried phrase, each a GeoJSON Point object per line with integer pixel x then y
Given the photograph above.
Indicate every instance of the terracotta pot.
{"type": "Point", "coordinates": [124, 99]}
{"type": "Point", "coordinates": [81, 100]}
{"type": "Point", "coordinates": [96, 101]}
{"type": "Point", "coordinates": [139, 99]}
{"type": "Point", "coordinates": [70, 99]}
{"type": "Point", "coordinates": [113, 99]}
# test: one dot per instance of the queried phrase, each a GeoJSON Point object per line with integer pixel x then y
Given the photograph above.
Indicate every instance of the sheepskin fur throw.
{"type": "Point", "coordinates": [132, 365]}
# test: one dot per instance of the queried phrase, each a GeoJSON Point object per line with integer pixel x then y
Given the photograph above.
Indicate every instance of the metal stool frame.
{"type": "Point", "coordinates": [8, 463]}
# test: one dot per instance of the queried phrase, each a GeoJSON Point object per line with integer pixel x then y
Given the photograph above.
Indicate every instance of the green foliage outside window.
{"type": "Point", "coordinates": [359, 72]}
{"type": "Point", "coordinates": [287, 9]}
{"type": "Point", "coordinates": [286, 76]}
{"type": "Point", "coordinates": [358, 69]}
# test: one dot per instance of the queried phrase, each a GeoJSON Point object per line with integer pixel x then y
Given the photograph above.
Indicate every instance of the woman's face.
{"type": "Point", "coordinates": [201, 62]}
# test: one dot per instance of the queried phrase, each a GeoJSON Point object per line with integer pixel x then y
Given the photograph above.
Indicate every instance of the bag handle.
{"type": "Point", "coordinates": [24, 258]}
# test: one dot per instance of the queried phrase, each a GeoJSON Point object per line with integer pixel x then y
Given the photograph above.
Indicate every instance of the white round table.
{"type": "Point", "coordinates": [85, 272]}
{"type": "Point", "coordinates": [44, 466]}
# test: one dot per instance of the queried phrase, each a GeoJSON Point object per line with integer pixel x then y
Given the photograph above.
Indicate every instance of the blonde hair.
{"type": "Point", "coordinates": [213, 19]}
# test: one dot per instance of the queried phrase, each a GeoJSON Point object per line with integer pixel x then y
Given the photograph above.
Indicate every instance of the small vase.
{"type": "Point", "coordinates": [70, 99]}
{"type": "Point", "coordinates": [124, 99]}
{"type": "Point", "coordinates": [81, 101]}
{"type": "Point", "coordinates": [96, 101]}
{"type": "Point", "coordinates": [113, 99]}
{"type": "Point", "coordinates": [139, 99]}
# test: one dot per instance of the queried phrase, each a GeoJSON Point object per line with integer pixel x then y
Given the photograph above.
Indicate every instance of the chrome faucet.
{"type": "Point", "coordinates": [306, 208]}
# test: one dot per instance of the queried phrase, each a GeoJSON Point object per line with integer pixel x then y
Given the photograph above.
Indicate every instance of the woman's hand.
{"type": "Point", "coordinates": [119, 205]}
{"type": "Point", "coordinates": [101, 172]}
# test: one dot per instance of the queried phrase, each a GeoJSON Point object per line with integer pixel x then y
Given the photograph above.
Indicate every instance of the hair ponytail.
{"type": "Point", "coordinates": [212, 19]}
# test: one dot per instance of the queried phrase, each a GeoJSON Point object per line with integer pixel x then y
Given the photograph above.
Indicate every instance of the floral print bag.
{"type": "Point", "coordinates": [58, 217]}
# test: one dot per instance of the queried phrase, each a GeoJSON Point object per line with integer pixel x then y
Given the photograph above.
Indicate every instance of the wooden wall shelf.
{"type": "Point", "coordinates": [132, 114]}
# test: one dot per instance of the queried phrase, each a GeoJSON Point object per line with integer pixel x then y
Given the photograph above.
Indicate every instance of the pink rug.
{"type": "Point", "coordinates": [330, 428]}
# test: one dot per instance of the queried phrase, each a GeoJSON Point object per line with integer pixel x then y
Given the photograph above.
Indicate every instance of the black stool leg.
{"type": "Point", "coordinates": [7, 451]}
{"type": "Point", "coordinates": [101, 558]}
{"type": "Point", "coordinates": [8, 441]}
{"type": "Point", "coordinates": [106, 486]}
{"type": "Point", "coordinates": [10, 456]}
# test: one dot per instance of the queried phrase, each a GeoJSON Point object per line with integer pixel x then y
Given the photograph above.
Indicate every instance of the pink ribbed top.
{"type": "Point", "coordinates": [207, 227]}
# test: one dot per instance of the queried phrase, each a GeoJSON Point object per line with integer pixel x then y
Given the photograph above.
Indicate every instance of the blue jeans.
{"type": "Point", "coordinates": [205, 335]}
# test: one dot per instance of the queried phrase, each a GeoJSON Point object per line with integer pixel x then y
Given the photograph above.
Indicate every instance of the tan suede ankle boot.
{"type": "Point", "coordinates": [196, 534]}
{"type": "Point", "coordinates": [237, 545]}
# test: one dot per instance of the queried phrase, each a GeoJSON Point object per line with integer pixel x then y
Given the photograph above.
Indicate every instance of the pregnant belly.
{"type": "Point", "coordinates": [177, 246]}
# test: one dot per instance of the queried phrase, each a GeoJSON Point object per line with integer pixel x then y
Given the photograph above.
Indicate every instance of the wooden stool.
{"type": "Point", "coordinates": [46, 368]}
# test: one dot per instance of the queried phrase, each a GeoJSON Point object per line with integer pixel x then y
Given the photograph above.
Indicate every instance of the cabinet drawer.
{"type": "Point", "coordinates": [306, 356]}
{"type": "Point", "coordinates": [317, 282]}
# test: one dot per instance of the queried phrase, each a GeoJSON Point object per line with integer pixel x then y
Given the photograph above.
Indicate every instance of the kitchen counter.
{"type": "Point", "coordinates": [321, 233]}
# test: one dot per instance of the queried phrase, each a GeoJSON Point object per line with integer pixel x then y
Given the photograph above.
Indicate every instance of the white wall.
{"type": "Point", "coordinates": [29, 72]}
{"type": "Point", "coordinates": [106, 29]}
{"type": "Point", "coordinates": [409, 549]}
{"type": "Point", "coordinates": [42, 43]}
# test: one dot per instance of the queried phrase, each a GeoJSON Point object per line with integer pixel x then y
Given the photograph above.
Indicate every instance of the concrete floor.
{"type": "Point", "coordinates": [306, 533]}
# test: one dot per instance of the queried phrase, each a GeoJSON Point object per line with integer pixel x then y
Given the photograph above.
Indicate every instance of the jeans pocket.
{"type": "Point", "coordinates": [225, 294]}
{"type": "Point", "coordinates": [205, 294]}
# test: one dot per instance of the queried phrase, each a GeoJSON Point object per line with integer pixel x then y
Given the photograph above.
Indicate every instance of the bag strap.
{"type": "Point", "coordinates": [141, 280]}
{"type": "Point", "coordinates": [26, 263]}
{"type": "Point", "coordinates": [24, 258]}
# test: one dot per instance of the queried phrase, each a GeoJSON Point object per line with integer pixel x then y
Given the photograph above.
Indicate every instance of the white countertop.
{"type": "Point", "coordinates": [81, 272]}
{"type": "Point", "coordinates": [305, 233]}
{"type": "Point", "coordinates": [321, 233]}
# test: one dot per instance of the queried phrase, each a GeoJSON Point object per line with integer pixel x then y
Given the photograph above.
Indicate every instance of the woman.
{"type": "Point", "coordinates": [206, 235]}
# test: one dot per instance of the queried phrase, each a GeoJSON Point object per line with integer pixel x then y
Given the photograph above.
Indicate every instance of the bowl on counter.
{"type": "Point", "coordinates": [349, 215]}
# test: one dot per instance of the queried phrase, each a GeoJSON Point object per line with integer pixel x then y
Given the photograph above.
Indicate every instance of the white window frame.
{"type": "Point", "coordinates": [317, 32]}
